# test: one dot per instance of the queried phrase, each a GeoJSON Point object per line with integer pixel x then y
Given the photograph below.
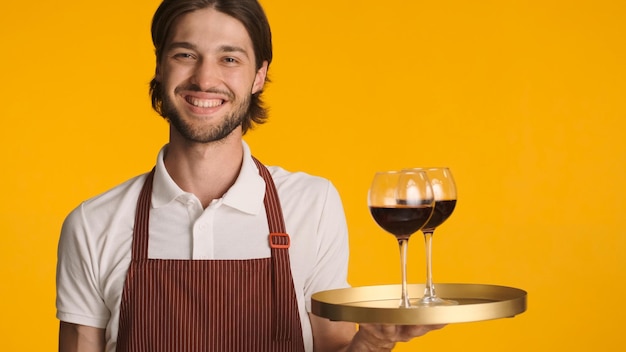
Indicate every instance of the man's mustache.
{"type": "Point", "coordinates": [213, 90]}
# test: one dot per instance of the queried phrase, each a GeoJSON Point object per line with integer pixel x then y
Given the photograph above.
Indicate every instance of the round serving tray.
{"type": "Point", "coordinates": [379, 304]}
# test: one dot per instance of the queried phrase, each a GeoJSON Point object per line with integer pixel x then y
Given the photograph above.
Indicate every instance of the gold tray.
{"type": "Point", "coordinates": [379, 304]}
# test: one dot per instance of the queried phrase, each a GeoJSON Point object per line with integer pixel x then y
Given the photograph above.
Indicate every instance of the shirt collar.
{"type": "Point", "coordinates": [246, 194]}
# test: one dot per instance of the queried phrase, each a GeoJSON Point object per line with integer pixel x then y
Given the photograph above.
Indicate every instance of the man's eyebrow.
{"type": "Point", "coordinates": [232, 48]}
{"type": "Point", "coordinates": [183, 45]}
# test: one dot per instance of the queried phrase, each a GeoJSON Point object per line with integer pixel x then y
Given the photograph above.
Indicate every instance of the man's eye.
{"type": "Point", "coordinates": [183, 56]}
{"type": "Point", "coordinates": [230, 60]}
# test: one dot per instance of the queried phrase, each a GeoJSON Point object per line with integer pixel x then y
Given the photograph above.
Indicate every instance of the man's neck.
{"type": "Point", "coordinates": [206, 170]}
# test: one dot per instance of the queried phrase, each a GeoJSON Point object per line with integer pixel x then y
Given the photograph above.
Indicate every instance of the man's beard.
{"type": "Point", "coordinates": [202, 134]}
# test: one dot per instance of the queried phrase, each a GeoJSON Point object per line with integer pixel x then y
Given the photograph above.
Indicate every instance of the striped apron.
{"type": "Point", "coordinates": [210, 305]}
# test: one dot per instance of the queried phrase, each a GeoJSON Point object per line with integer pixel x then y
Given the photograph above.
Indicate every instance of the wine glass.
{"type": "Point", "coordinates": [444, 190]}
{"type": "Point", "coordinates": [401, 203]}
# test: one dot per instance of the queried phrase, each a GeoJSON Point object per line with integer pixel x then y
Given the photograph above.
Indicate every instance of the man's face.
{"type": "Point", "coordinates": [208, 75]}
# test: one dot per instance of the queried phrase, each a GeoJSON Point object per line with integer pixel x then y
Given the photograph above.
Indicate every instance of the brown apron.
{"type": "Point", "coordinates": [210, 305]}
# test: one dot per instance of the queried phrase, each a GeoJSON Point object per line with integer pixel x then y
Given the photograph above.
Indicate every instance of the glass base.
{"type": "Point", "coordinates": [433, 302]}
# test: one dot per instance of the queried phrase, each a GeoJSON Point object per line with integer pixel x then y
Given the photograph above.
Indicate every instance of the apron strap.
{"type": "Point", "coordinates": [142, 220]}
{"type": "Point", "coordinates": [279, 242]}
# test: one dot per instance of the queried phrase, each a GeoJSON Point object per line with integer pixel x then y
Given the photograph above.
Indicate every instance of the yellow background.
{"type": "Point", "coordinates": [524, 100]}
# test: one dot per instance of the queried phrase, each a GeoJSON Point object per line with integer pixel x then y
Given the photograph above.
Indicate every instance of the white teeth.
{"type": "Point", "coordinates": [201, 103]}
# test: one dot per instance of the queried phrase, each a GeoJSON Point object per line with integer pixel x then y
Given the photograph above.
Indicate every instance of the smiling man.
{"type": "Point", "coordinates": [211, 250]}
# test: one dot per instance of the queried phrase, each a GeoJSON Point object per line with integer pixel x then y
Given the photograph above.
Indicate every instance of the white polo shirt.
{"type": "Point", "coordinates": [95, 244]}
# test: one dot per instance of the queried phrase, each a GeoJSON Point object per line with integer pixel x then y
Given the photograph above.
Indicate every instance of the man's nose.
{"type": "Point", "coordinates": [207, 74]}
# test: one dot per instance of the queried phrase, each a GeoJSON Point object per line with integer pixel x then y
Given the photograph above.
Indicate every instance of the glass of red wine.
{"type": "Point", "coordinates": [444, 190]}
{"type": "Point", "coordinates": [401, 202]}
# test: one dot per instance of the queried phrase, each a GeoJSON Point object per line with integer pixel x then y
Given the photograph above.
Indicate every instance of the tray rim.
{"type": "Point", "coordinates": [506, 302]}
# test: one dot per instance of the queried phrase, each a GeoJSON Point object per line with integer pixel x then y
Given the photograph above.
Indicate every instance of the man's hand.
{"type": "Point", "coordinates": [337, 336]}
{"type": "Point", "coordinates": [383, 337]}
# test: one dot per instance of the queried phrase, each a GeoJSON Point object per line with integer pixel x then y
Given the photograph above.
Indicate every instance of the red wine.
{"type": "Point", "coordinates": [443, 209]}
{"type": "Point", "coordinates": [401, 221]}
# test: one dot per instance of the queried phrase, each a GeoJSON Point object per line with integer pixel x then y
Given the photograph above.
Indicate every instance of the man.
{"type": "Point", "coordinates": [211, 250]}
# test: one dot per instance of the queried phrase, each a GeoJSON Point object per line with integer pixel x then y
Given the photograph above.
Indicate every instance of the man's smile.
{"type": "Point", "coordinates": [204, 103]}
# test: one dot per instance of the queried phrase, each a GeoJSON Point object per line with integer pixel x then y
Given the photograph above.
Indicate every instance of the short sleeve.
{"type": "Point", "coordinates": [79, 298]}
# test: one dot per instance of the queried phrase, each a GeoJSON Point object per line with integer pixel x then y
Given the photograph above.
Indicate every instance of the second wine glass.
{"type": "Point", "coordinates": [444, 190]}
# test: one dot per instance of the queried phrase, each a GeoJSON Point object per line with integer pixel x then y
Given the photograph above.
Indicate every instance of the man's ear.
{"type": "Point", "coordinates": [259, 78]}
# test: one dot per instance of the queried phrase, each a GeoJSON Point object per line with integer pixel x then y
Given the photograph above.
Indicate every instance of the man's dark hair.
{"type": "Point", "coordinates": [248, 12]}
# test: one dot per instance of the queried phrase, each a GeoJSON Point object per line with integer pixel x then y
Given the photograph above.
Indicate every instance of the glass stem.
{"type": "Point", "coordinates": [404, 300]}
{"type": "Point", "coordinates": [429, 290]}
